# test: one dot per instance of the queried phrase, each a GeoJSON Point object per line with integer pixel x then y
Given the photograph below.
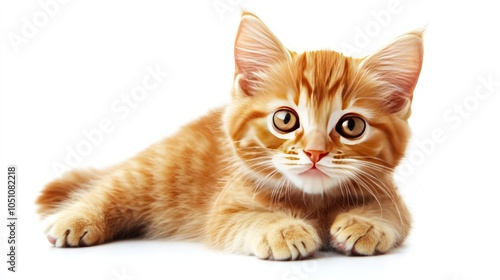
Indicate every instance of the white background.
{"type": "Point", "coordinates": [63, 78]}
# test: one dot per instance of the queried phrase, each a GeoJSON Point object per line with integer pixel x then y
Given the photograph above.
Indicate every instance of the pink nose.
{"type": "Point", "coordinates": [316, 156]}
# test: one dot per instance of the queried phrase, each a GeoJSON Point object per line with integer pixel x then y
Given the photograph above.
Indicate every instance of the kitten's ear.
{"type": "Point", "coordinates": [398, 66]}
{"type": "Point", "coordinates": [256, 49]}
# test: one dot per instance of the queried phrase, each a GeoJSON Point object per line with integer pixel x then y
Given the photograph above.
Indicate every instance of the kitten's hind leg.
{"type": "Point", "coordinates": [61, 189]}
{"type": "Point", "coordinates": [103, 210]}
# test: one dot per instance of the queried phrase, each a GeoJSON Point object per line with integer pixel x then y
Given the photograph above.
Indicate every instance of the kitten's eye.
{"type": "Point", "coordinates": [351, 126]}
{"type": "Point", "coordinates": [285, 120]}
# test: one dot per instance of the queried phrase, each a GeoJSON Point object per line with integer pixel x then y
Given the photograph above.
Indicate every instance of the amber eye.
{"type": "Point", "coordinates": [351, 126]}
{"type": "Point", "coordinates": [285, 120]}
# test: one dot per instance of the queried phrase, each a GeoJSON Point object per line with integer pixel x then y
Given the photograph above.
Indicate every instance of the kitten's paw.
{"type": "Point", "coordinates": [356, 235]}
{"type": "Point", "coordinates": [69, 229]}
{"type": "Point", "coordinates": [287, 241]}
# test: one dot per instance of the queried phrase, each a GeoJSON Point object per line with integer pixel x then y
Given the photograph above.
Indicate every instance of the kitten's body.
{"type": "Point", "coordinates": [230, 179]}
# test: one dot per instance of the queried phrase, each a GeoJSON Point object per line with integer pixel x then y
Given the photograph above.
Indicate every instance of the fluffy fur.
{"type": "Point", "coordinates": [300, 160]}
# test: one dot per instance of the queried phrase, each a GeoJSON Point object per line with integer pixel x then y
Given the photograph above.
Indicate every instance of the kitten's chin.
{"type": "Point", "coordinates": [313, 181]}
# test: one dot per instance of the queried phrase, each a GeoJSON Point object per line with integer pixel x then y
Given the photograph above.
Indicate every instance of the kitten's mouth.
{"type": "Point", "coordinates": [313, 171]}
{"type": "Point", "coordinates": [314, 181]}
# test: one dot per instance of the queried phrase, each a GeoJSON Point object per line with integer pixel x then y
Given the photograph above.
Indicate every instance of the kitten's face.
{"type": "Point", "coordinates": [317, 120]}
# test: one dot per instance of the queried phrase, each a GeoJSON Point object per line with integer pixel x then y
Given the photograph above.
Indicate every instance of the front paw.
{"type": "Point", "coordinates": [288, 240]}
{"type": "Point", "coordinates": [356, 235]}
{"type": "Point", "coordinates": [73, 229]}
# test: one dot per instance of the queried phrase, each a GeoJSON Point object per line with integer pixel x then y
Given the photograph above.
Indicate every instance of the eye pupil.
{"type": "Point", "coordinates": [287, 118]}
{"type": "Point", "coordinates": [351, 126]}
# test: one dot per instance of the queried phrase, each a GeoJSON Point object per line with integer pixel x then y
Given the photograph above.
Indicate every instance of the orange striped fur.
{"type": "Point", "coordinates": [300, 160]}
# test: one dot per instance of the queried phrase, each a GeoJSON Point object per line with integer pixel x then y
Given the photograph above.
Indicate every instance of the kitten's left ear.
{"type": "Point", "coordinates": [398, 66]}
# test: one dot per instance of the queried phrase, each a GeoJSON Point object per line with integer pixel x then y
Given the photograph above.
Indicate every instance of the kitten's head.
{"type": "Point", "coordinates": [319, 119]}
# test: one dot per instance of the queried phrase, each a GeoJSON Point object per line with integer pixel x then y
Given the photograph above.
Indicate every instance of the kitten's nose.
{"type": "Point", "coordinates": [315, 155]}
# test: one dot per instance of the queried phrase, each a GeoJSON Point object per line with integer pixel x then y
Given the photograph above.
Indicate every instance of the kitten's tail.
{"type": "Point", "coordinates": [59, 191]}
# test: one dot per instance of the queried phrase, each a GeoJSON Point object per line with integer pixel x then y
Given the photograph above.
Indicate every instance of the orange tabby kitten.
{"type": "Point", "coordinates": [300, 160]}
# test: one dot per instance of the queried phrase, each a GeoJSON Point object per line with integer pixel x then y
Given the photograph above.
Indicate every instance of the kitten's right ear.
{"type": "Point", "coordinates": [398, 67]}
{"type": "Point", "coordinates": [256, 50]}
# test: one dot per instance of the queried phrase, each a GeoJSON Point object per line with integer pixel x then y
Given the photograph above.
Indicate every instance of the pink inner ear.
{"type": "Point", "coordinates": [245, 85]}
{"type": "Point", "coordinates": [404, 83]}
{"type": "Point", "coordinates": [398, 65]}
{"type": "Point", "coordinates": [398, 100]}
{"type": "Point", "coordinates": [256, 50]}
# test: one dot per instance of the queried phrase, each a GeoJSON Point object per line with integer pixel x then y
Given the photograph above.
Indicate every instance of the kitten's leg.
{"type": "Point", "coordinates": [373, 228]}
{"type": "Point", "coordinates": [267, 235]}
{"type": "Point", "coordinates": [97, 211]}
{"type": "Point", "coordinates": [59, 191]}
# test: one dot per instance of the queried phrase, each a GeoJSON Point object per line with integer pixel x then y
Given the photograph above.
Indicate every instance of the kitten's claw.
{"type": "Point", "coordinates": [354, 235]}
{"type": "Point", "coordinates": [287, 242]}
{"type": "Point", "coordinates": [51, 239]}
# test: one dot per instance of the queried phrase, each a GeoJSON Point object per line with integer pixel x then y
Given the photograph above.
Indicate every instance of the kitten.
{"type": "Point", "coordinates": [300, 160]}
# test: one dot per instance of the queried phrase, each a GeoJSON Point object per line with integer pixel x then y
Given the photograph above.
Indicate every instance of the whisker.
{"type": "Point", "coordinates": [366, 176]}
